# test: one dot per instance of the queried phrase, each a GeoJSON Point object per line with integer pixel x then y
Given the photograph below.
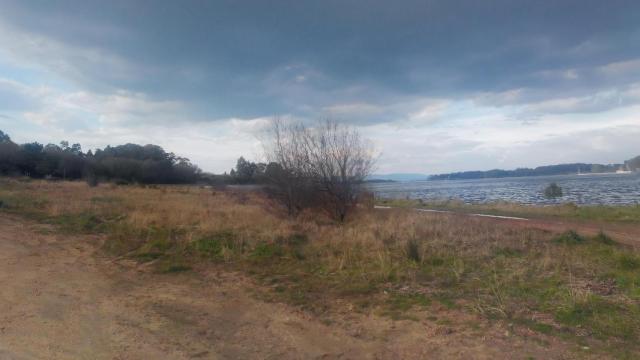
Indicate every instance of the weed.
{"type": "Point", "coordinates": [604, 239]}
{"type": "Point", "coordinates": [569, 237]}
{"type": "Point", "coordinates": [265, 251]}
{"type": "Point", "coordinates": [213, 244]}
{"type": "Point", "coordinates": [413, 250]}
{"type": "Point", "coordinates": [175, 268]}
{"type": "Point", "coordinates": [629, 262]}
{"type": "Point", "coordinates": [84, 222]}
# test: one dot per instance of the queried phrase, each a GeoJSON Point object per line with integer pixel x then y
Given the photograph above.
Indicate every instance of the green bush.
{"type": "Point", "coordinates": [553, 191]}
{"type": "Point", "coordinates": [570, 238]}
{"type": "Point", "coordinates": [413, 250]}
{"type": "Point", "coordinates": [264, 251]}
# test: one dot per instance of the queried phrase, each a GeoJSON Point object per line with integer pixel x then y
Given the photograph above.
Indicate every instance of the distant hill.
{"type": "Point", "coordinates": [397, 177]}
{"type": "Point", "coordinates": [562, 169]}
{"type": "Point", "coordinates": [633, 164]}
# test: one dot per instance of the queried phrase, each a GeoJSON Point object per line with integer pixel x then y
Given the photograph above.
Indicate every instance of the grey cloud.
{"type": "Point", "coordinates": [251, 58]}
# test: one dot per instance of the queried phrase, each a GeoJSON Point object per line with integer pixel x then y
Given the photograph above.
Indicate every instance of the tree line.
{"type": "Point", "coordinates": [562, 169]}
{"type": "Point", "coordinates": [148, 164]}
{"type": "Point", "coordinates": [321, 167]}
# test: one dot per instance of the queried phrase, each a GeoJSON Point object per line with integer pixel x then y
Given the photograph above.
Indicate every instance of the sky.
{"type": "Point", "coordinates": [438, 86]}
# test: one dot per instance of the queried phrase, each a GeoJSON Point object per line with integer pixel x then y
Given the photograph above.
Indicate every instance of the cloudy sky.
{"type": "Point", "coordinates": [438, 86]}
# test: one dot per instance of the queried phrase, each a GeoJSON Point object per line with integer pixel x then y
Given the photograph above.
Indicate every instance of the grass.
{"type": "Point", "coordinates": [599, 213]}
{"type": "Point", "coordinates": [397, 263]}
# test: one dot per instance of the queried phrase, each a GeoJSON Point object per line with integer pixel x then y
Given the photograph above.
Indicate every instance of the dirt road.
{"type": "Point", "coordinates": [60, 299]}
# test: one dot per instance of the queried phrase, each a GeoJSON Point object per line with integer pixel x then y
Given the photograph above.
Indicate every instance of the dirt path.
{"type": "Point", "coordinates": [59, 299]}
{"type": "Point", "coordinates": [624, 233]}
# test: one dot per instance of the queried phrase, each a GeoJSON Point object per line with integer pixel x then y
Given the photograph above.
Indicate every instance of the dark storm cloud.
{"type": "Point", "coordinates": [250, 58]}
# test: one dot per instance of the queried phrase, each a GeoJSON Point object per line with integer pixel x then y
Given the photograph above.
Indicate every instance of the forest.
{"type": "Point", "coordinates": [129, 163]}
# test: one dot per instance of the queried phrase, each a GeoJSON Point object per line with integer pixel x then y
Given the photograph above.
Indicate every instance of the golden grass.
{"type": "Point", "coordinates": [381, 261]}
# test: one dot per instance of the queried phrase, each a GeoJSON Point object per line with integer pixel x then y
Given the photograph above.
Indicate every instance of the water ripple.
{"type": "Point", "coordinates": [609, 189]}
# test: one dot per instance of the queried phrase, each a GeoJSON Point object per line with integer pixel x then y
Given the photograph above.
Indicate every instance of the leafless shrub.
{"type": "Point", "coordinates": [323, 166]}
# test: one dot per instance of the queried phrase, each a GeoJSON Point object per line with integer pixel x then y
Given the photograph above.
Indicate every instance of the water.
{"type": "Point", "coordinates": [605, 189]}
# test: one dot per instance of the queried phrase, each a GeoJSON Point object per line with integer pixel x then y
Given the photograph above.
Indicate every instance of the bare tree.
{"type": "Point", "coordinates": [339, 162]}
{"type": "Point", "coordinates": [327, 163]}
{"type": "Point", "coordinates": [287, 166]}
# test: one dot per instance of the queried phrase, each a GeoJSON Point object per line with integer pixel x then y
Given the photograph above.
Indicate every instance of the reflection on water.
{"type": "Point", "coordinates": [580, 189]}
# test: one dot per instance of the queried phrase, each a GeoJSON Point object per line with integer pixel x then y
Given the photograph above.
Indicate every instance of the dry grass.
{"type": "Point", "coordinates": [599, 213]}
{"type": "Point", "coordinates": [586, 289]}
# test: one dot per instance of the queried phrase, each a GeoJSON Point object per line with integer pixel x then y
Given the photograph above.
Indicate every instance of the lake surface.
{"type": "Point", "coordinates": [605, 189]}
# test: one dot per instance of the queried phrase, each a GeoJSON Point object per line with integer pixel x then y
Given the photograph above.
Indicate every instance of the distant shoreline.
{"type": "Point", "coordinates": [433, 178]}
{"type": "Point", "coordinates": [627, 167]}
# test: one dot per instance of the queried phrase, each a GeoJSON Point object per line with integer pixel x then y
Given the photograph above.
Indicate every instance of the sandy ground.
{"type": "Point", "coordinates": [60, 299]}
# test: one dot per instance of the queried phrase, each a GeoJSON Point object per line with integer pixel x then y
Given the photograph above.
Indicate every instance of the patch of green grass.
{"type": "Point", "coordinates": [604, 318]}
{"type": "Point", "coordinates": [603, 238]}
{"type": "Point", "coordinates": [212, 245]}
{"type": "Point", "coordinates": [123, 238]}
{"type": "Point", "coordinates": [83, 223]}
{"type": "Point", "coordinates": [569, 237]}
{"type": "Point", "coordinates": [265, 251]}
{"type": "Point", "coordinates": [629, 262]}
{"type": "Point", "coordinates": [175, 268]}
{"type": "Point", "coordinates": [24, 204]}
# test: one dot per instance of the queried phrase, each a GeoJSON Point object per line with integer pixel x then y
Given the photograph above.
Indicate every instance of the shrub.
{"type": "Point", "coordinates": [92, 180]}
{"type": "Point", "coordinates": [570, 238]}
{"type": "Point", "coordinates": [629, 262]}
{"type": "Point", "coordinates": [553, 191]}
{"type": "Point", "coordinates": [604, 239]}
{"type": "Point", "coordinates": [413, 250]}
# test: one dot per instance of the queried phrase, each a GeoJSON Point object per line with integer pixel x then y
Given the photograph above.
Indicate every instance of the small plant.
{"type": "Point", "coordinates": [265, 251]}
{"type": "Point", "coordinates": [604, 239]}
{"type": "Point", "coordinates": [570, 238]}
{"type": "Point", "coordinates": [413, 250]}
{"type": "Point", "coordinates": [553, 191]}
{"type": "Point", "coordinates": [175, 268]}
{"type": "Point", "coordinates": [213, 244]}
{"type": "Point", "coordinates": [92, 180]}
{"type": "Point", "coordinates": [629, 262]}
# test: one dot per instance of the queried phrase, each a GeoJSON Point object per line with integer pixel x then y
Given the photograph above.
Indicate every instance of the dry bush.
{"type": "Point", "coordinates": [322, 167]}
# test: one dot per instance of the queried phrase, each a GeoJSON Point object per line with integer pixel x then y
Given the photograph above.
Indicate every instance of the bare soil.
{"type": "Point", "coordinates": [61, 298]}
